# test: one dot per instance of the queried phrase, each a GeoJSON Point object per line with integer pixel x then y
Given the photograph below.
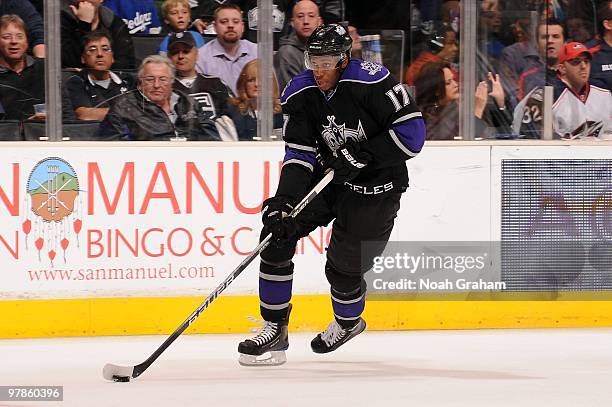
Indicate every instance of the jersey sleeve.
{"type": "Point", "coordinates": [405, 131]}
{"type": "Point", "coordinates": [300, 148]}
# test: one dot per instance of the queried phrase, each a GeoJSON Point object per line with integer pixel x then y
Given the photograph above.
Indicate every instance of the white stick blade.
{"type": "Point", "coordinates": [111, 372]}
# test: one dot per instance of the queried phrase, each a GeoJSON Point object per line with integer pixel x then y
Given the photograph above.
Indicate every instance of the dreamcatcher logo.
{"type": "Point", "coordinates": [53, 208]}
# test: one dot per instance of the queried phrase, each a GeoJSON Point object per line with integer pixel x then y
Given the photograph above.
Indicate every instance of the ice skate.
{"type": "Point", "coordinates": [335, 336]}
{"type": "Point", "coordinates": [268, 347]}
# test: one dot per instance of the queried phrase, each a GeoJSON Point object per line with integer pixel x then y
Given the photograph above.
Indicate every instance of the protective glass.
{"type": "Point", "coordinates": [323, 62]}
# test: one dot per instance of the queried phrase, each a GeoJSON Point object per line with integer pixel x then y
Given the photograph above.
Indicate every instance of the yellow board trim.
{"type": "Point", "coordinates": [140, 316]}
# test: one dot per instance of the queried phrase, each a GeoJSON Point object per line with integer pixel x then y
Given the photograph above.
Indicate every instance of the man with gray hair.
{"type": "Point", "coordinates": [155, 111]}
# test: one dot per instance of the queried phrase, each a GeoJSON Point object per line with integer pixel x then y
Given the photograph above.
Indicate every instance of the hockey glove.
{"type": "Point", "coordinates": [276, 220]}
{"type": "Point", "coordinates": [348, 162]}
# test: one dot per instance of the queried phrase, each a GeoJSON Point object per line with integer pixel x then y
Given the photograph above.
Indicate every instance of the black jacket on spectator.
{"type": "Point", "coordinates": [20, 92]}
{"type": "Point", "coordinates": [39, 5]}
{"type": "Point", "coordinates": [83, 92]}
{"type": "Point", "coordinates": [134, 117]}
{"type": "Point", "coordinates": [29, 15]}
{"type": "Point", "coordinates": [601, 66]}
{"type": "Point", "coordinates": [73, 31]}
{"type": "Point", "coordinates": [212, 95]}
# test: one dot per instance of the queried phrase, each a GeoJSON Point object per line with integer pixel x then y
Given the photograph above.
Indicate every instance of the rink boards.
{"type": "Point", "coordinates": [117, 238]}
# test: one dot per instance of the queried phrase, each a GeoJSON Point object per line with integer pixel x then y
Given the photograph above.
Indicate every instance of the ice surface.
{"type": "Point", "coordinates": [560, 367]}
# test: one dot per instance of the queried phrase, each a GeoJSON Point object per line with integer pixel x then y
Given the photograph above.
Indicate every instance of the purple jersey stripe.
{"type": "Point", "coordinates": [306, 156]}
{"type": "Point", "coordinates": [411, 134]}
{"type": "Point", "coordinates": [274, 292]}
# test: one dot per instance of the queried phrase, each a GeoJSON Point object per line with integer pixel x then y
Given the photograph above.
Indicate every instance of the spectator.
{"type": "Point", "coordinates": [437, 95]}
{"type": "Point", "coordinates": [22, 77]}
{"type": "Point", "coordinates": [291, 52]}
{"type": "Point", "coordinates": [177, 15]}
{"type": "Point", "coordinates": [551, 36]}
{"type": "Point", "coordinates": [580, 110]}
{"type": "Point", "coordinates": [490, 25]}
{"type": "Point", "coordinates": [210, 92]}
{"type": "Point", "coordinates": [332, 11]}
{"type": "Point", "coordinates": [246, 101]}
{"type": "Point", "coordinates": [140, 16]}
{"type": "Point", "coordinates": [443, 47]}
{"type": "Point", "coordinates": [579, 30]}
{"type": "Point", "coordinates": [225, 56]}
{"type": "Point", "coordinates": [39, 5]}
{"type": "Point", "coordinates": [32, 20]}
{"type": "Point", "coordinates": [519, 57]}
{"type": "Point", "coordinates": [601, 69]}
{"type": "Point", "coordinates": [155, 112]}
{"type": "Point", "coordinates": [91, 90]}
{"type": "Point", "coordinates": [357, 46]}
{"type": "Point", "coordinates": [202, 12]}
{"type": "Point", "coordinates": [81, 17]}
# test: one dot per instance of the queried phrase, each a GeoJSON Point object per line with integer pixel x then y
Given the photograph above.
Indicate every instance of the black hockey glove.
{"type": "Point", "coordinates": [348, 162]}
{"type": "Point", "coordinates": [276, 220]}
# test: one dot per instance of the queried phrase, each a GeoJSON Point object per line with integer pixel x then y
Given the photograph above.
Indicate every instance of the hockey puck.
{"type": "Point", "coordinates": [121, 378]}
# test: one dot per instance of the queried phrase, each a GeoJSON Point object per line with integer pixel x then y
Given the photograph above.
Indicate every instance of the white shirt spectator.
{"type": "Point", "coordinates": [583, 116]}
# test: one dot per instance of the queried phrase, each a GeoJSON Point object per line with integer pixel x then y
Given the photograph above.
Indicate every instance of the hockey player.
{"type": "Point", "coordinates": [354, 117]}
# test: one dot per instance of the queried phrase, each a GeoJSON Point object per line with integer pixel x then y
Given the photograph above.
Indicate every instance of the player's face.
{"type": "Point", "coordinates": [305, 18]}
{"type": "Point", "coordinates": [550, 40]}
{"type": "Point", "coordinates": [184, 58]}
{"type": "Point", "coordinates": [229, 26]}
{"type": "Point", "coordinates": [13, 42]}
{"type": "Point", "coordinates": [156, 82]}
{"type": "Point", "coordinates": [326, 78]}
{"type": "Point", "coordinates": [178, 17]}
{"type": "Point", "coordinates": [451, 87]}
{"type": "Point", "coordinates": [98, 55]}
{"type": "Point", "coordinates": [577, 70]}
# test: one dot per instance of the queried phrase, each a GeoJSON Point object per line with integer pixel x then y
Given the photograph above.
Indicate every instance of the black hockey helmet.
{"type": "Point", "coordinates": [329, 39]}
{"type": "Point", "coordinates": [328, 47]}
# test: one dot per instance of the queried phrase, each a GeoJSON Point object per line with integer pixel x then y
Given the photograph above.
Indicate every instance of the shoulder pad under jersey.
{"type": "Point", "coordinates": [296, 85]}
{"type": "Point", "coordinates": [364, 72]}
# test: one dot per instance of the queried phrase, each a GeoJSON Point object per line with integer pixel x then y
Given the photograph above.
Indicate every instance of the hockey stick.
{"type": "Point", "coordinates": [125, 373]}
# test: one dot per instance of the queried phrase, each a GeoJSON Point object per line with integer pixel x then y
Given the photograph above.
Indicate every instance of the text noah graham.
{"type": "Point", "coordinates": [460, 284]}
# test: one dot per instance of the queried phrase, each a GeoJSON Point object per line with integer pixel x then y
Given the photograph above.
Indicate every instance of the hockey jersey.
{"type": "Point", "coordinates": [211, 93]}
{"type": "Point", "coordinates": [583, 116]}
{"type": "Point", "coordinates": [368, 106]}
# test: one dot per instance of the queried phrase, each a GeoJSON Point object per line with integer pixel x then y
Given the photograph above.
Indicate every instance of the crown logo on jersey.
{"type": "Point", "coordinates": [371, 67]}
{"type": "Point", "coordinates": [337, 134]}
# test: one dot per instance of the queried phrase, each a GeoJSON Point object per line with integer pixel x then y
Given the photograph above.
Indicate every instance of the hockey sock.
{"type": "Point", "coordinates": [348, 307]}
{"type": "Point", "coordinates": [275, 283]}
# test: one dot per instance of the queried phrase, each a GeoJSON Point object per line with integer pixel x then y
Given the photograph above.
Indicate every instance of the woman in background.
{"type": "Point", "coordinates": [437, 95]}
{"type": "Point", "coordinates": [247, 89]}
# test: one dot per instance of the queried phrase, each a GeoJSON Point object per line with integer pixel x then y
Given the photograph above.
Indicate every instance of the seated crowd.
{"type": "Point", "coordinates": [521, 47]}
{"type": "Point", "coordinates": [202, 84]}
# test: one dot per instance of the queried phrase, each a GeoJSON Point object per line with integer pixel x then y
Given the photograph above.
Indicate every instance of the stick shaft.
{"type": "Point", "coordinates": [139, 369]}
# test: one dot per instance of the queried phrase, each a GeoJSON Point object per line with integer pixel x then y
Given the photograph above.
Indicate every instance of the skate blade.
{"type": "Point", "coordinates": [275, 358]}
